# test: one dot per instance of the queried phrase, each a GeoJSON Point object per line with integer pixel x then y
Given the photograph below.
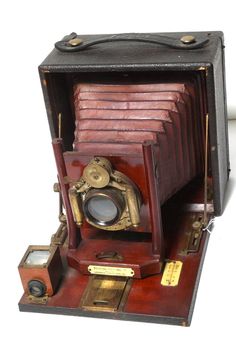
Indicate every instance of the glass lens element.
{"type": "Point", "coordinates": [39, 257]}
{"type": "Point", "coordinates": [102, 208]}
{"type": "Point", "coordinates": [36, 288]}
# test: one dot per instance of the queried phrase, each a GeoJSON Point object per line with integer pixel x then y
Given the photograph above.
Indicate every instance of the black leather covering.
{"type": "Point", "coordinates": [120, 55]}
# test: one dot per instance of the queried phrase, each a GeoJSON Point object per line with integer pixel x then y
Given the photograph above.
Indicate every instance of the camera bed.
{"type": "Point", "coordinates": [147, 299]}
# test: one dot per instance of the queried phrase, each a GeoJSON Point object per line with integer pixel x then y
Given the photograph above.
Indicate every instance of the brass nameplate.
{"type": "Point", "coordinates": [107, 294]}
{"type": "Point", "coordinates": [171, 273]}
{"type": "Point", "coordinates": [113, 271]}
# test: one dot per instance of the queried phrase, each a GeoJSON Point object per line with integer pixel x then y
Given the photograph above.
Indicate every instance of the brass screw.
{"type": "Point", "coordinates": [56, 187]}
{"type": "Point", "coordinates": [75, 42]}
{"type": "Point", "coordinates": [62, 218]}
{"type": "Point", "coordinates": [196, 225]}
{"type": "Point", "coordinates": [188, 39]}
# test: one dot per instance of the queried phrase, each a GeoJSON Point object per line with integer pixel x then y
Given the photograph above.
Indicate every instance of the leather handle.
{"type": "Point", "coordinates": [73, 43]}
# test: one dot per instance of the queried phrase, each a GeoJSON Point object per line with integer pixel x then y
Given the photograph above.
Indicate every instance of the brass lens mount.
{"type": "Point", "coordinates": [104, 207]}
{"type": "Point", "coordinates": [97, 172]}
{"type": "Point", "coordinates": [106, 198]}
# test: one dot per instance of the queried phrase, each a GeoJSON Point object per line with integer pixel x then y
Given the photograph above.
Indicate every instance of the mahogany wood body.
{"type": "Point", "coordinates": [148, 300]}
{"type": "Point", "coordinates": [50, 275]}
{"type": "Point", "coordinates": [144, 259]}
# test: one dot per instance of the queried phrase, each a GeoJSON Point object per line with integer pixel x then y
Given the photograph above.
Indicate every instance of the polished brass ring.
{"type": "Point", "coordinates": [104, 207]}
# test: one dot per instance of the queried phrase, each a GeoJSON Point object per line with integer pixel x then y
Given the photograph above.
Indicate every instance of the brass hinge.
{"type": "Point", "coordinates": [38, 300]}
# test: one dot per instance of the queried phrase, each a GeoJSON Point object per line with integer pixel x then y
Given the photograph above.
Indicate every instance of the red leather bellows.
{"type": "Point", "coordinates": [117, 119]}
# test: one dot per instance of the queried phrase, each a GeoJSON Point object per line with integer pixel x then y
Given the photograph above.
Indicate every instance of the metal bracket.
{"type": "Point", "coordinates": [60, 236]}
{"type": "Point", "coordinates": [38, 300]}
{"type": "Point", "coordinates": [193, 234]}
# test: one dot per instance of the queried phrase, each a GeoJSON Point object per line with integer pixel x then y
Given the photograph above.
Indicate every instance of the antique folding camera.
{"type": "Point", "coordinates": [139, 134]}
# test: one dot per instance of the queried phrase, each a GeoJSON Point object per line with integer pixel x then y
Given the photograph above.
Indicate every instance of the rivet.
{"type": "Point", "coordinates": [188, 39]}
{"type": "Point", "coordinates": [75, 42]}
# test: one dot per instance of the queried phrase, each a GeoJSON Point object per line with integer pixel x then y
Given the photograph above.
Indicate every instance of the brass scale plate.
{"type": "Point", "coordinates": [108, 293]}
{"type": "Point", "coordinates": [105, 293]}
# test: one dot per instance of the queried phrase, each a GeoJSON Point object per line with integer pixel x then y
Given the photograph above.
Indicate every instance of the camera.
{"type": "Point", "coordinates": [139, 135]}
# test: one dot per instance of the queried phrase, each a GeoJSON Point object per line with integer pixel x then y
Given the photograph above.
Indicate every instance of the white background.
{"type": "Point", "coordinates": [28, 205]}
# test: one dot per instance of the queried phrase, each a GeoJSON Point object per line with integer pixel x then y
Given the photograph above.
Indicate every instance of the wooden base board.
{"type": "Point", "coordinates": [147, 300]}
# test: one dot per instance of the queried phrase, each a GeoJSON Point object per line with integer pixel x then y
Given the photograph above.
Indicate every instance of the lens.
{"type": "Point", "coordinates": [36, 288]}
{"type": "Point", "coordinates": [104, 207]}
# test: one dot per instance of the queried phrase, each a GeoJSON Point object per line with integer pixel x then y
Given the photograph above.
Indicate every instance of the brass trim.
{"type": "Point", "coordinates": [105, 294]}
{"type": "Point", "coordinates": [98, 174]}
{"type": "Point", "coordinates": [133, 206]}
{"type": "Point", "coordinates": [110, 193]}
{"type": "Point", "coordinates": [75, 206]}
{"type": "Point", "coordinates": [38, 300]}
{"type": "Point", "coordinates": [31, 248]}
{"type": "Point", "coordinates": [193, 234]}
{"type": "Point", "coordinates": [111, 271]}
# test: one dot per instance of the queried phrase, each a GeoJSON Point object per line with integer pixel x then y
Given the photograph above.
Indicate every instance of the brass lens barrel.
{"type": "Point", "coordinates": [104, 207]}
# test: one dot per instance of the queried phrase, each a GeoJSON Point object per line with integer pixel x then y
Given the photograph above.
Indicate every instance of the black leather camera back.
{"type": "Point", "coordinates": [139, 57]}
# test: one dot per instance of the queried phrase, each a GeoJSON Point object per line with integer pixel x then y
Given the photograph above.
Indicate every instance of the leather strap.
{"type": "Point", "coordinates": [65, 46]}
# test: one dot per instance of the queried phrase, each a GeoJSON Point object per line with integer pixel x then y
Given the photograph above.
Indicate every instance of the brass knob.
{"type": "Point", "coordinates": [56, 187]}
{"type": "Point", "coordinates": [97, 172]}
{"type": "Point", "coordinates": [96, 176]}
